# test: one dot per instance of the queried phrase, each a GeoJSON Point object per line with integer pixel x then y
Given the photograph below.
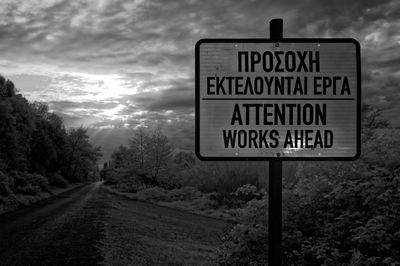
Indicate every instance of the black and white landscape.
{"type": "Point", "coordinates": [97, 139]}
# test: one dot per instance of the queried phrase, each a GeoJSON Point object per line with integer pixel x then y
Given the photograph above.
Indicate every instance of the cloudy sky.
{"type": "Point", "coordinates": [112, 65]}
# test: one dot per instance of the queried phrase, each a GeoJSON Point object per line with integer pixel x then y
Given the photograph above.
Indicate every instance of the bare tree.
{"type": "Point", "coordinates": [150, 151]}
{"type": "Point", "coordinates": [139, 145]}
{"type": "Point", "coordinates": [160, 152]}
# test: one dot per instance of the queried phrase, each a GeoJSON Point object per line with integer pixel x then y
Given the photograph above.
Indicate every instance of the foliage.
{"type": "Point", "coordinates": [154, 194]}
{"type": "Point", "coordinates": [109, 175]}
{"type": "Point", "coordinates": [245, 245]}
{"type": "Point", "coordinates": [148, 154]}
{"type": "Point", "coordinates": [351, 222]}
{"type": "Point", "coordinates": [159, 151]}
{"type": "Point", "coordinates": [382, 151]}
{"type": "Point", "coordinates": [334, 213]}
{"type": "Point", "coordinates": [55, 179]}
{"type": "Point", "coordinates": [6, 183]}
{"type": "Point", "coordinates": [247, 193]}
{"type": "Point", "coordinates": [371, 119]}
{"type": "Point", "coordinates": [27, 183]}
{"type": "Point", "coordinates": [184, 159]}
{"type": "Point", "coordinates": [185, 198]}
{"type": "Point", "coordinates": [129, 179]}
{"type": "Point", "coordinates": [36, 149]}
{"type": "Point", "coordinates": [255, 211]}
{"type": "Point", "coordinates": [81, 156]}
{"type": "Point", "coordinates": [222, 177]}
{"type": "Point", "coordinates": [139, 149]}
{"type": "Point", "coordinates": [121, 157]}
{"type": "Point", "coordinates": [184, 194]}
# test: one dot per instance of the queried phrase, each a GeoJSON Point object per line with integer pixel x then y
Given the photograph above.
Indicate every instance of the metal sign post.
{"type": "Point", "coordinates": [275, 183]}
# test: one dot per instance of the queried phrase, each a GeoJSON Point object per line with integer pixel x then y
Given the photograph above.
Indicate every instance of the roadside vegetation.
{"type": "Point", "coordinates": [37, 153]}
{"type": "Point", "coordinates": [334, 213]}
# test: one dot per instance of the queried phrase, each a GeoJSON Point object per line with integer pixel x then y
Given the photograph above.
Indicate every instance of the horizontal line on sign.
{"type": "Point", "coordinates": [278, 99]}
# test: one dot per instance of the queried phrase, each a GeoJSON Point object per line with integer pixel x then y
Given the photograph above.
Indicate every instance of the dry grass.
{"type": "Point", "coordinates": [139, 233]}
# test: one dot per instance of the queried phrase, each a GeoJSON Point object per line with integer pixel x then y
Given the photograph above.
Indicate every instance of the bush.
{"type": "Point", "coordinates": [222, 177]}
{"type": "Point", "coordinates": [109, 175]}
{"type": "Point", "coordinates": [170, 184]}
{"type": "Point", "coordinates": [204, 203]}
{"type": "Point", "coordinates": [185, 194]}
{"type": "Point", "coordinates": [255, 211]}
{"type": "Point", "coordinates": [8, 203]}
{"type": "Point", "coordinates": [128, 187]}
{"type": "Point", "coordinates": [6, 183]}
{"type": "Point", "coordinates": [124, 179]}
{"type": "Point", "coordinates": [55, 179]}
{"type": "Point", "coordinates": [29, 190]}
{"type": "Point", "coordinates": [29, 183]}
{"type": "Point", "coordinates": [39, 181]}
{"type": "Point", "coordinates": [326, 222]}
{"type": "Point", "coordinates": [245, 244]}
{"type": "Point", "coordinates": [19, 180]}
{"type": "Point", "coordinates": [154, 194]}
{"type": "Point", "coordinates": [245, 194]}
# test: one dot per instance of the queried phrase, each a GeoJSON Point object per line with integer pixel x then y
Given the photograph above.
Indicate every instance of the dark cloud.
{"type": "Point", "coordinates": [139, 75]}
{"type": "Point", "coordinates": [65, 105]}
{"type": "Point", "coordinates": [127, 63]}
{"type": "Point", "coordinates": [178, 96]}
{"type": "Point", "coordinates": [173, 99]}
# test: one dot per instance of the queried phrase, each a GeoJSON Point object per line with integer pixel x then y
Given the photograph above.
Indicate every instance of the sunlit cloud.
{"type": "Point", "coordinates": [123, 64]}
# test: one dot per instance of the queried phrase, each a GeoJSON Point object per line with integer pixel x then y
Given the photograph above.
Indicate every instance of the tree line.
{"type": "Point", "coordinates": [34, 140]}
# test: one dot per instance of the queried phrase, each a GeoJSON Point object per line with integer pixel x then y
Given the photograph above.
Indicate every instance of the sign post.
{"type": "Point", "coordinates": [278, 99]}
{"type": "Point", "coordinates": [275, 182]}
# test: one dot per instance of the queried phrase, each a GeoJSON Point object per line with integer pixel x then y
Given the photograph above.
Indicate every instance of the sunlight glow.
{"type": "Point", "coordinates": [113, 113]}
{"type": "Point", "coordinates": [100, 87]}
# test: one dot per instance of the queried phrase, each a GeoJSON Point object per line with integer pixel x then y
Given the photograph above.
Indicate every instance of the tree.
{"type": "Point", "coordinates": [121, 157]}
{"type": "Point", "coordinates": [47, 142]}
{"type": "Point", "coordinates": [10, 88]}
{"type": "Point", "coordinates": [81, 155]}
{"type": "Point", "coordinates": [139, 145]}
{"type": "Point", "coordinates": [7, 87]}
{"type": "Point", "coordinates": [371, 119]}
{"type": "Point", "coordinates": [160, 151]}
{"type": "Point", "coordinates": [8, 135]}
{"type": "Point", "coordinates": [184, 159]}
{"type": "Point", "coordinates": [3, 89]}
{"type": "Point", "coordinates": [34, 144]}
{"type": "Point", "coordinates": [147, 155]}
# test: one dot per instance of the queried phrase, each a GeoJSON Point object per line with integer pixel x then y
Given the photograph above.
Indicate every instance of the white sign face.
{"type": "Point", "coordinates": [296, 99]}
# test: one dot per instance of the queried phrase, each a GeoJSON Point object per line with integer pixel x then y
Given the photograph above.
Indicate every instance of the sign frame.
{"type": "Point", "coordinates": [284, 40]}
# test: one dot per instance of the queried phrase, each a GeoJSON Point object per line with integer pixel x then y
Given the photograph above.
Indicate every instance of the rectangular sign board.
{"type": "Point", "coordinates": [292, 99]}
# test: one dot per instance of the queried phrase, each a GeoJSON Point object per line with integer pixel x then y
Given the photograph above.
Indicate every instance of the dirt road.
{"type": "Point", "coordinates": [91, 226]}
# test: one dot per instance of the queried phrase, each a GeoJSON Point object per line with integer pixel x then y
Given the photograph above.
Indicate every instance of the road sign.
{"type": "Point", "coordinates": [296, 99]}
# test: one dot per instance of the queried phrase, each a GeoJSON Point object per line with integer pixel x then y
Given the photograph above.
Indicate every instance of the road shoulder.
{"type": "Point", "coordinates": [140, 233]}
